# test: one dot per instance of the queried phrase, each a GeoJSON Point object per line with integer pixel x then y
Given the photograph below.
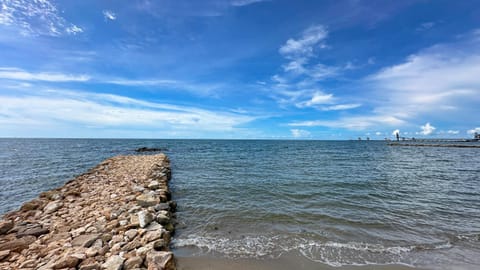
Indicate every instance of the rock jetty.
{"type": "Point", "coordinates": [118, 215]}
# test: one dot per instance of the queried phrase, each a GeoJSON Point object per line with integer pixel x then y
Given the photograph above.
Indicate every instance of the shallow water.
{"type": "Point", "coordinates": [332, 202]}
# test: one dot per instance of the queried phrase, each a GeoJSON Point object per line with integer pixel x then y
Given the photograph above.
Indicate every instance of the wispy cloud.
{"type": "Point", "coordinates": [304, 46]}
{"type": "Point", "coordinates": [109, 15]}
{"type": "Point", "coordinates": [107, 111]}
{"type": "Point", "coordinates": [441, 81]}
{"type": "Point", "coordinates": [241, 3]}
{"type": "Point", "coordinates": [22, 75]}
{"type": "Point", "coordinates": [425, 26]}
{"type": "Point", "coordinates": [197, 88]}
{"type": "Point", "coordinates": [17, 74]}
{"type": "Point", "coordinates": [35, 18]}
{"type": "Point", "coordinates": [352, 122]}
{"type": "Point", "coordinates": [318, 98]}
{"type": "Point", "coordinates": [298, 85]}
{"type": "Point", "coordinates": [340, 107]}
{"type": "Point", "coordinates": [312, 98]}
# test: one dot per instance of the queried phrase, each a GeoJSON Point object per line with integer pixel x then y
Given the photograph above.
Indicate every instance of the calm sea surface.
{"type": "Point", "coordinates": [335, 202]}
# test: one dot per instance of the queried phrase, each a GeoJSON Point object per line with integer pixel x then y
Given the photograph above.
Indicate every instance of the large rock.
{"type": "Point", "coordinates": [154, 184]}
{"type": "Point", "coordinates": [89, 264]}
{"type": "Point", "coordinates": [144, 218]}
{"type": "Point", "coordinates": [66, 262]}
{"type": "Point", "coordinates": [114, 263]}
{"type": "Point", "coordinates": [31, 205]}
{"type": "Point", "coordinates": [52, 207]}
{"type": "Point", "coordinates": [4, 254]}
{"type": "Point", "coordinates": [152, 236]}
{"type": "Point", "coordinates": [160, 260]}
{"type": "Point", "coordinates": [130, 234]}
{"type": "Point", "coordinates": [133, 263]}
{"type": "Point", "coordinates": [85, 240]}
{"type": "Point", "coordinates": [147, 200]}
{"type": "Point", "coordinates": [5, 226]}
{"type": "Point", "coordinates": [162, 219]}
{"type": "Point", "coordinates": [18, 244]}
{"type": "Point", "coordinates": [36, 231]}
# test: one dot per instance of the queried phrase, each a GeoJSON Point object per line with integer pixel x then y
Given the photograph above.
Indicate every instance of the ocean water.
{"type": "Point", "coordinates": [333, 202]}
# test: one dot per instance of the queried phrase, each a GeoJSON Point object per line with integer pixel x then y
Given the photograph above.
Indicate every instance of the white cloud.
{"type": "Point", "coordinates": [74, 30]}
{"type": "Point", "coordinates": [395, 132]}
{"type": "Point", "coordinates": [473, 131]}
{"type": "Point", "coordinates": [22, 75]}
{"type": "Point", "coordinates": [300, 133]}
{"type": "Point", "coordinates": [39, 17]}
{"type": "Point", "coordinates": [454, 132]}
{"type": "Point", "coordinates": [296, 66]}
{"type": "Point", "coordinates": [439, 83]}
{"type": "Point", "coordinates": [311, 99]}
{"type": "Point", "coordinates": [340, 107]}
{"type": "Point", "coordinates": [318, 98]}
{"type": "Point", "coordinates": [107, 111]}
{"type": "Point", "coordinates": [427, 129]}
{"type": "Point", "coordinates": [241, 3]}
{"type": "Point", "coordinates": [311, 38]}
{"type": "Point", "coordinates": [147, 82]}
{"type": "Point", "coordinates": [109, 15]}
{"type": "Point", "coordinates": [17, 74]}
{"type": "Point", "coordinates": [425, 26]}
{"type": "Point", "coordinates": [321, 71]}
{"type": "Point", "coordinates": [352, 122]}
{"type": "Point", "coordinates": [378, 133]}
{"type": "Point", "coordinates": [200, 89]}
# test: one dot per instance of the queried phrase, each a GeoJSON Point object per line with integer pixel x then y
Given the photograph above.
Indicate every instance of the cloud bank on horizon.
{"type": "Point", "coordinates": [239, 69]}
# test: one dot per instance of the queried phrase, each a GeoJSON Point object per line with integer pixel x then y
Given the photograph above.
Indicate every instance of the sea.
{"type": "Point", "coordinates": [336, 203]}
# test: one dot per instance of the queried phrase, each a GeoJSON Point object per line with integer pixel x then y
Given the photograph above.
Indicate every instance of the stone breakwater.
{"type": "Point", "coordinates": [118, 215]}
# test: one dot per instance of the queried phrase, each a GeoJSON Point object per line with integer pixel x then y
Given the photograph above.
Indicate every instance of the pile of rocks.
{"type": "Point", "coordinates": [118, 215]}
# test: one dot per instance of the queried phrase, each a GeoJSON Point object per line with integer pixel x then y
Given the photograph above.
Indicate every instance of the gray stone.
{"type": "Point", "coordinates": [91, 251]}
{"type": "Point", "coordinates": [28, 264]}
{"type": "Point", "coordinates": [52, 207]}
{"type": "Point", "coordinates": [18, 244]}
{"type": "Point", "coordinates": [36, 231]}
{"type": "Point", "coordinates": [89, 265]}
{"type": "Point", "coordinates": [5, 226]}
{"type": "Point", "coordinates": [66, 262]}
{"type": "Point", "coordinates": [152, 236]}
{"type": "Point", "coordinates": [144, 218]}
{"type": "Point", "coordinates": [114, 263]}
{"type": "Point", "coordinates": [147, 200]}
{"type": "Point", "coordinates": [162, 206]}
{"type": "Point", "coordinates": [160, 260]}
{"type": "Point", "coordinates": [162, 219]}
{"type": "Point", "coordinates": [133, 262]}
{"type": "Point", "coordinates": [154, 226]}
{"type": "Point", "coordinates": [85, 240]}
{"type": "Point", "coordinates": [154, 184]}
{"type": "Point", "coordinates": [116, 239]}
{"type": "Point", "coordinates": [160, 245]}
{"type": "Point", "coordinates": [4, 254]}
{"type": "Point", "coordinates": [131, 234]}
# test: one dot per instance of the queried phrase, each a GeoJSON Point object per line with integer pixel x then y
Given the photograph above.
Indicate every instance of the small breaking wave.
{"type": "Point", "coordinates": [327, 252]}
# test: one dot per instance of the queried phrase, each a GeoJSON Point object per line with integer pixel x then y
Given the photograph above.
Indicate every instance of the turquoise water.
{"type": "Point", "coordinates": [335, 202]}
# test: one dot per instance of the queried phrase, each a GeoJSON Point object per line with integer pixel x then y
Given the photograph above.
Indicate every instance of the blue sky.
{"type": "Point", "coordinates": [239, 69]}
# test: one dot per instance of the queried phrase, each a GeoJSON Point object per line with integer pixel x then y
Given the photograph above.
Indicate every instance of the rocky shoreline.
{"type": "Point", "coordinates": [118, 215]}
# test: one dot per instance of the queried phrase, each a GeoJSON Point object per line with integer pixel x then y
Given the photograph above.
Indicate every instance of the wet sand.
{"type": "Point", "coordinates": [285, 262]}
